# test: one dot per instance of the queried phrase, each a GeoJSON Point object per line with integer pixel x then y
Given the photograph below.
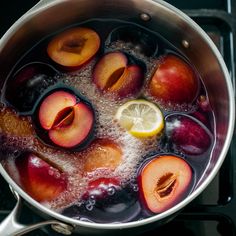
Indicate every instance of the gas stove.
{"type": "Point", "coordinates": [213, 213]}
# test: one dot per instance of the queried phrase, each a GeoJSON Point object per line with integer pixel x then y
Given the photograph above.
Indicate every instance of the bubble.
{"type": "Point", "coordinates": [89, 207]}
{"type": "Point", "coordinates": [85, 219]}
{"type": "Point", "coordinates": [135, 188]}
{"type": "Point", "coordinates": [16, 153]}
{"type": "Point", "coordinates": [57, 175]}
{"type": "Point", "coordinates": [111, 191]}
{"type": "Point", "coordinates": [51, 171]}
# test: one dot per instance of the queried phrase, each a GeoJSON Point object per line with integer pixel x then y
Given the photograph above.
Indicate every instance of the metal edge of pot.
{"type": "Point", "coordinates": [44, 4]}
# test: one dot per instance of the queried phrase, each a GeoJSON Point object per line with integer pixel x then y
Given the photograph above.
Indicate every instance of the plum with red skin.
{"type": "Point", "coordinates": [108, 68]}
{"type": "Point", "coordinates": [74, 47]}
{"type": "Point", "coordinates": [52, 105]}
{"type": "Point", "coordinates": [164, 181]}
{"type": "Point", "coordinates": [188, 134]}
{"type": "Point", "coordinates": [120, 206]}
{"type": "Point", "coordinates": [68, 122]}
{"type": "Point", "coordinates": [174, 81]}
{"type": "Point", "coordinates": [129, 83]}
{"type": "Point", "coordinates": [41, 180]}
{"type": "Point", "coordinates": [112, 74]}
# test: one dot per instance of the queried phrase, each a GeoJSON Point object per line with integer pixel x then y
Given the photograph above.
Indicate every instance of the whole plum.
{"type": "Point", "coordinates": [28, 83]}
{"type": "Point", "coordinates": [188, 134]}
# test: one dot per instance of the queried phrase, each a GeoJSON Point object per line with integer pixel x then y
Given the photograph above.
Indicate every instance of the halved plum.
{"type": "Point", "coordinates": [54, 104]}
{"type": "Point", "coordinates": [75, 128]}
{"type": "Point", "coordinates": [67, 121]}
{"type": "Point", "coordinates": [188, 134]}
{"type": "Point", "coordinates": [112, 74]}
{"type": "Point", "coordinates": [121, 205]}
{"type": "Point", "coordinates": [129, 82]}
{"type": "Point", "coordinates": [102, 154]}
{"type": "Point", "coordinates": [110, 67]}
{"type": "Point", "coordinates": [174, 81]}
{"type": "Point", "coordinates": [74, 47]}
{"type": "Point", "coordinates": [27, 84]}
{"type": "Point", "coordinates": [101, 188]}
{"type": "Point", "coordinates": [164, 181]}
{"type": "Point", "coordinates": [41, 179]}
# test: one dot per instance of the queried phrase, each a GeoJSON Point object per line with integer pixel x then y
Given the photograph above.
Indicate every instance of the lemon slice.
{"type": "Point", "coordinates": [140, 118]}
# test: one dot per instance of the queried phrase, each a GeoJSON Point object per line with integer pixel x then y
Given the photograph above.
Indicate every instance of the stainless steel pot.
{"type": "Point", "coordinates": [51, 15]}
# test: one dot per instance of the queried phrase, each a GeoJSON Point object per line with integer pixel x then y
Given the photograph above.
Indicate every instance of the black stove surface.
{"type": "Point", "coordinates": [213, 213]}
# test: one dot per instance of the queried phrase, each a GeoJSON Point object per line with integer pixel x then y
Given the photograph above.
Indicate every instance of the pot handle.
{"type": "Point", "coordinates": [11, 227]}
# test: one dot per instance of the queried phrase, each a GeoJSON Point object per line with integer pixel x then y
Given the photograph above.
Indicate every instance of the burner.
{"type": "Point", "coordinates": [214, 211]}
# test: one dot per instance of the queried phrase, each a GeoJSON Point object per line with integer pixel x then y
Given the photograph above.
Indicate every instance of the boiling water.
{"type": "Point", "coordinates": [21, 133]}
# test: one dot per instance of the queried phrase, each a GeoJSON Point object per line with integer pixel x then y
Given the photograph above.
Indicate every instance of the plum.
{"type": "Point", "coordinates": [74, 47]}
{"type": "Point", "coordinates": [28, 83]}
{"type": "Point", "coordinates": [14, 125]}
{"type": "Point", "coordinates": [109, 68]}
{"type": "Point", "coordinates": [40, 179]}
{"type": "Point", "coordinates": [188, 134]}
{"type": "Point", "coordinates": [174, 81]}
{"type": "Point", "coordinates": [102, 154]}
{"type": "Point", "coordinates": [67, 121]}
{"type": "Point", "coordinates": [55, 103]}
{"type": "Point", "coordinates": [75, 129]}
{"type": "Point", "coordinates": [112, 74]}
{"type": "Point", "coordinates": [164, 181]}
{"type": "Point", "coordinates": [121, 205]}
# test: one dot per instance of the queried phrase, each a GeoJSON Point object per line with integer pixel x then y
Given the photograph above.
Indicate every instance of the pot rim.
{"type": "Point", "coordinates": [41, 7]}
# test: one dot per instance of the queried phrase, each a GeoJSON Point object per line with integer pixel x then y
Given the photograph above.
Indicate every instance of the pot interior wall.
{"type": "Point", "coordinates": [175, 29]}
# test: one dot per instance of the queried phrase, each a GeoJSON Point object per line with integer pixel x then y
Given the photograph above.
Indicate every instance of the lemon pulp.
{"type": "Point", "coordinates": [140, 118]}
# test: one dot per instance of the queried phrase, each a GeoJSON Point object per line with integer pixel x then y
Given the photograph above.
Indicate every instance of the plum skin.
{"type": "Point", "coordinates": [174, 81]}
{"type": "Point", "coordinates": [39, 178]}
{"type": "Point", "coordinates": [188, 134]}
